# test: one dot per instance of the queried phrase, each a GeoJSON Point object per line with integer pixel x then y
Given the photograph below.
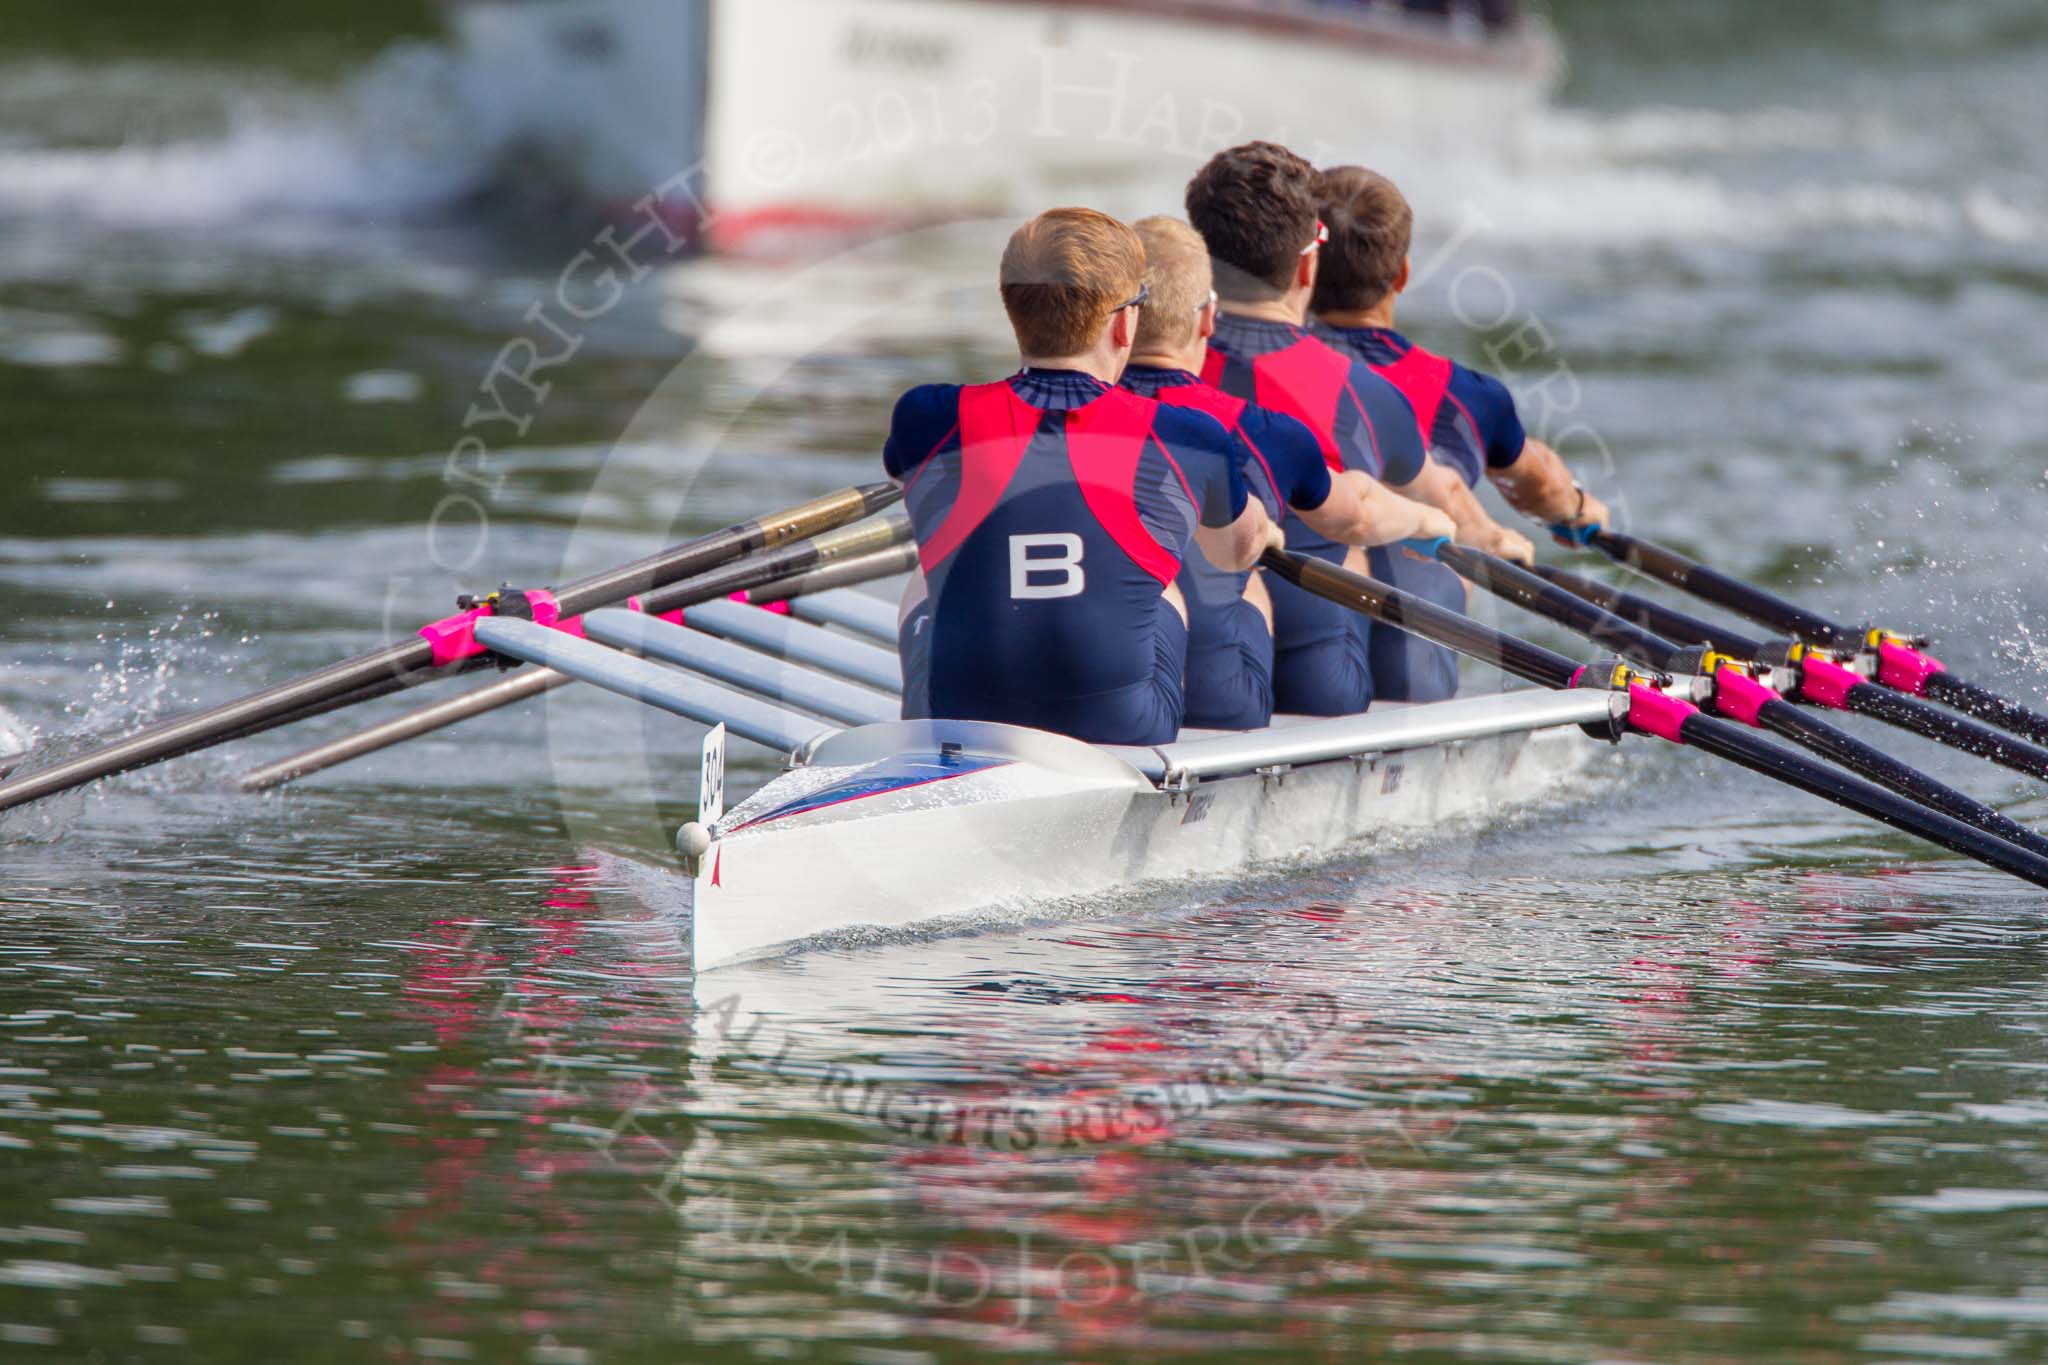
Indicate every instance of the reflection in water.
{"type": "Point", "coordinates": [1465, 1148]}
{"type": "Point", "coordinates": [435, 1099]}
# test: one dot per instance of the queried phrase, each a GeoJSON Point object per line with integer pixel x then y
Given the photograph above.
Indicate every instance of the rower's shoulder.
{"type": "Point", "coordinates": [1478, 386]}
{"type": "Point", "coordinates": [926, 408]}
{"type": "Point", "coordinates": [1279, 431]}
{"type": "Point", "coordinates": [928, 402]}
{"type": "Point", "coordinates": [1190, 428]}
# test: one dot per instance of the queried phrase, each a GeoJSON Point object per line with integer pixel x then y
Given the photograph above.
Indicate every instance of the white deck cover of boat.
{"type": "Point", "coordinates": [1383, 730]}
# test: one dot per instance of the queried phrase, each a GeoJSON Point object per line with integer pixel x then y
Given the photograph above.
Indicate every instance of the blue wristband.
{"type": "Point", "coordinates": [1580, 536]}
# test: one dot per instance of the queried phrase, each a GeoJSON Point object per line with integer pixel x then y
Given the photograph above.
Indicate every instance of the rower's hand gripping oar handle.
{"type": "Point", "coordinates": [1574, 537]}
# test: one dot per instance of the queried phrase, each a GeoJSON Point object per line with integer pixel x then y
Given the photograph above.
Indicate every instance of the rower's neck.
{"type": "Point", "coordinates": [1187, 358]}
{"type": "Point", "coordinates": [1287, 309]}
{"type": "Point", "coordinates": [1107, 368]}
{"type": "Point", "coordinates": [1380, 315]}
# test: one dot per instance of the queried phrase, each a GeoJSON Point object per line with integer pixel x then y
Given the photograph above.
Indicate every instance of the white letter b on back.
{"type": "Point", "coordinates": [1046, 575]}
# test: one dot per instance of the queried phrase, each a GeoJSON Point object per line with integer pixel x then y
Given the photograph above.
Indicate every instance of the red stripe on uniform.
{"type": "Point", "coordinates": [1105, 441]}
{"type": "Point", "coordinates": [996, 427]}
{"type": "Point", "coordinates": [1305, 381]}
{"type": "Point", "coordinates": [1225, 408]}
{"type": "Point", "coordinates": [1424, 380]}
{"type": "Point", "coordinates": [1206, 397]}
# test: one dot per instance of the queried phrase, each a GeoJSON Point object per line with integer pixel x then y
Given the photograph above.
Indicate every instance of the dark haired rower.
{"type": "Point", "coordinates": [1470, 417]}
{"type": "Point", "coordinates": [1230, 615]}
{"type": "Point", "coordinates": [1256, 209]}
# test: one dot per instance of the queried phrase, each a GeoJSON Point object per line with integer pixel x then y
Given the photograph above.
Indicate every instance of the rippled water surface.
{"type": "Point", "coordinates": [408, 1063]}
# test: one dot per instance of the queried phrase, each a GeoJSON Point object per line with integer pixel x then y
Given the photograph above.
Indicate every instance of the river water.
{"type": "Point", "coordinates": [408, 1063]}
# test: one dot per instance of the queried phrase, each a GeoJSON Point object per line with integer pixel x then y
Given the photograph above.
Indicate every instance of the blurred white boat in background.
{"type": "Point", "coordinates": [752, 119]}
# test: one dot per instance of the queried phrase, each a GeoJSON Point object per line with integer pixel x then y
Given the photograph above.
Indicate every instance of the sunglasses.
{"type": "Point", "coordinates": [1209, 302]}
{"type": "Point", "coordinates": [1322, 236]}
{"type": "Point", "coordinates": [1138, 301]}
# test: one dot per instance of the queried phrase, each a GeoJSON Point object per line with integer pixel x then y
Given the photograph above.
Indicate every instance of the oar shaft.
{"type": "Point", "coordinates": [872, 547]}
{"type": "Point", "coordinates": [1900, 668]}
{"type": "Point", "coordinates": [1512, 583]}
{"type": "Point", "coordinates": [1440, 625]}
{"type": "Point", "coordinates": [516, 687]}
{"type": "Point", "coordinates": [1651, 712]}
{"type": "Point", "coordinates": [1810, 732]}
{"type": "Point", "coordinates": [1745, 600]}
{"type": "Point", "coordinates": [311, 694]}
{"type": "Point", "coordinates": [802, 522]}
{"type": "Point", "coordinates": [1893, 708]}
{"type": "Point", "coordinates": [1973, 700]}
{"type": "Point", "coordinates": [1958, 732]}
{"type": "Point", "coordinates": [867, 568]}
{"type": "Point", "coordinates": [1735, 694]}
{"type": "Point", "coordinates": [883, 533]}
{"type": "Point", "coordinates": [1725, 739]}
{"type": "Point", "coordinates": [1654, 616]}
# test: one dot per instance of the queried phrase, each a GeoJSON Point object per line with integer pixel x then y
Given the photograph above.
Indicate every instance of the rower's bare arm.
{"type": "Point", "coordinates": [1363, 511]}
{"type": "Point", "coordinates": [1238, 545]}
{"type": "Point", "coordinates": [1440, 487]}
{"type": "Point", "coordinates": [1539, 485]}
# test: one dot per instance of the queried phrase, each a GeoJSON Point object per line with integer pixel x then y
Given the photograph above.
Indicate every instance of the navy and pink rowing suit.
{"type": "Point", "coordinates": [1473, 427]}
{"type": "Point", "coordinates": [1051, 511]}
{"type": "Point", "coordinates": [1230, 650]}
{"type": "Point", "coordinates": [1322, 652]}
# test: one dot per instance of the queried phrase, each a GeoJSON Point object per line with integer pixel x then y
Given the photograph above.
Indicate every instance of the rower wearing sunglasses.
{"type": "Point", "coordinates": [1256, 209]}
{"type": "Point", "coordinates": [1230, 614]}
{"type": "Point", "coordinates": [1053, 510]}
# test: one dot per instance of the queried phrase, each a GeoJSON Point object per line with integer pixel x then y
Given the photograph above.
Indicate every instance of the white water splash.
{"type": "Point", "coordinates": [406, 136]}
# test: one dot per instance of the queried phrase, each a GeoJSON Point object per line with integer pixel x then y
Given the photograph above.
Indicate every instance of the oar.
{"type": "Point", "coordinates": [868, 568]}
{"type": "Point", "coordinates": [1817, 681]}
{"type": "Point", "coordinates": [854, 554]}
{"type": "Point", "coordinates": [437, 651]}
{"type": "Point", "coordinates": [1732, 689]}
{"type": "Point", "coordinates": [1650, 711]}
{"type": "Point", "coordinates": [1901, 663]}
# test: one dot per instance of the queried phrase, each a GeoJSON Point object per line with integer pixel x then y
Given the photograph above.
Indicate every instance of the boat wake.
{"type": "Point", "coordinates": [423, 130]}
{"type": "Point", "coordinates": [405, 137]}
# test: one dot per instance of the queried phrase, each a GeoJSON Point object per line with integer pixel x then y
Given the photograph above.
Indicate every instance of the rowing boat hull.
{"type": "Point", "coordinates": [1034, 824]}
